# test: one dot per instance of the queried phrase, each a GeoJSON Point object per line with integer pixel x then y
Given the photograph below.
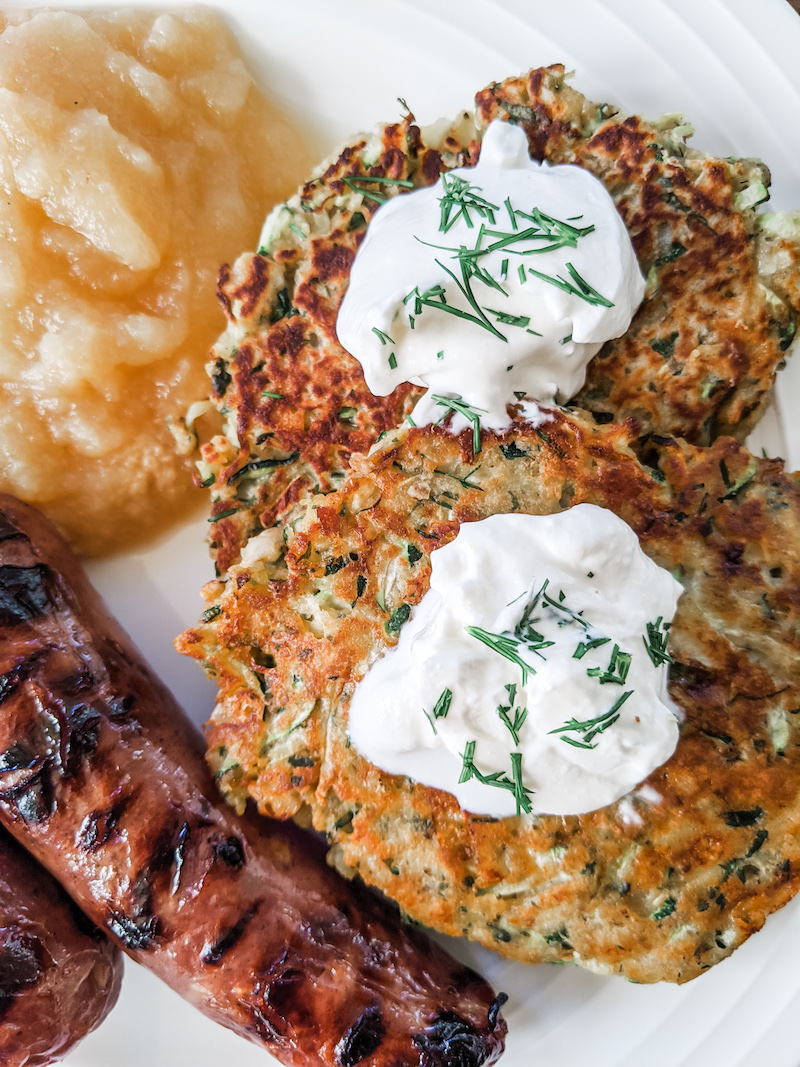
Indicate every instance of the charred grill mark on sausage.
{"type": "Point", "coordinates": [17, 674]}
{"type": "Point", "coordinates": [451, 1042]}
{"type": "Point", "coordinates": [21, 958]}
{"type": "Point", "coordinates": [179, 856]}
{"type": "Point", "coordinates": [8, 530]}
{"type": "Point", "coordinates": [24, 593]}
{"type": "Point", "coordinates": [362, 1039]}
{"type": "Point", "coordinates": [494, 1009]}
{"type": "Point", "coordinates": [137, 933]}
{"type": "Point", "coordinates": [25, 782]}
{"type": "Point", "coordinates": [230, 851]}
{"type": "Point", "coordinates": [59, 975]}
{"type": "Point", "coordinates": [98, 826]}
{"type": "Point", "coordinates": [214, 953]}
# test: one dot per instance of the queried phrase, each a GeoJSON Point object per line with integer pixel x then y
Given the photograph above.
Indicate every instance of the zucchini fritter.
{"type": "Point", "coordinates": [701, 354]}
{"type": "Point", "coordinates": [668, 881]}
{"type": "Point", "coordinates": [662, 884]}
{"type": "Point", "coordinates": [697, 361]}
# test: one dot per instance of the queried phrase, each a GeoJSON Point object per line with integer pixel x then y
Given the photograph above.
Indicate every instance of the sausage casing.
{"type": "Point", "coordinates": [59, 976]}
{"type": "Point", "coordinates": [103, 778]}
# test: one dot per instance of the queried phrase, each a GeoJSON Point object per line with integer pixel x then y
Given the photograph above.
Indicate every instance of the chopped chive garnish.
{"type": "Point", "coordinates": [472, 415]}
{"type": "Point", "coordinates": [575, 742]}
{"type": "Point", "coordinates": [509, 320]}
{"type": "Point", "coordinates": [466, 289]}
{"type": "Point", "coordinates": [590, 728]}
{"type": "Point", "coordinates": [460, 197]}
{"type": "Point", "coordinates": [293, 226]}
{"type": "Point", "coordinates": [467, 760]}
{"type": "Point", "coordinates": [440, 355]}
{"type": "Point", "coordinates": [656, 642]}
{"type": "Point", "coordinates": [587, 291]}
{"type": "Point", "coordinates": [442, 705]}
{"type": "Point", "coordinates": [511, 215]}
{"type": "Point", "coordinates": [465, 481]}
{"type": "Point", "coordinates": [521, 272]}
{"type": "Point", "coordinates": [351, 181]}
{"type": "Point", "coordinates": [520, 715]}
{"type": "Point", "coordinates": [384, 338]}
{"type": "Point", "coordinates": [435, 297]}
{"type": "Point", "coordinates": [223, 515]}
{"type": "Point", "coordinates": [586, 646]}
{"type": "Point", "coordinates": [565, 340]}
{"type": "Point", "coordinates": [392, 361]}
{"type": "Point", "coordinates": [498, 779]}
{"type": "Point", "coordinates": [257, 466]}
{"type": "Point", "coordinates": [568, 615]}
{"type": "Point", "coordinates": [440, 708]}
{"type": "Point", "coordinates": [377, 179]}
{"type": "Point", "coordinates": [525, 632]}
{"type": "Point", "coordinates": [520, 792]}
{"type": "Point", "coordinates": [504, 269]}
{"type": "Point", "coordinates": [617, 670]}
{"type": "Point", "coordinates": [273, 396]}
{"type": "Point", "coordinates": [364, 192]}
{"type": "Point", "coordinates": [578, 287]}
{"type": "Point", "coordinates": [469, 770]}
{"type": "Point", "coordinates": [558, 234]}
{"type": "Point", "coordinates": [504, 646]}
{"type": "Point", "coordinates": [410, 421]}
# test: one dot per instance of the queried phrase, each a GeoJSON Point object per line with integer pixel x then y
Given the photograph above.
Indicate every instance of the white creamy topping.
{"type": "Point", "coordinates": [527, 660]}
{"type": "Point", "coordinates": [470, 244]}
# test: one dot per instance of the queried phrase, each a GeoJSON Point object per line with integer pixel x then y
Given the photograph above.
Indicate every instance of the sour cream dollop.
{"type": "Point", "coordinates": [533, 674]}
{"type": "Point", "coordinates": [532, 262]}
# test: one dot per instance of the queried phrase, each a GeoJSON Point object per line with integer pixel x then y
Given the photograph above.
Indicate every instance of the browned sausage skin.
{"type": "Point", "coordinates": [104, 780]}
{"type": "Point", "coordinates": [59, 976]}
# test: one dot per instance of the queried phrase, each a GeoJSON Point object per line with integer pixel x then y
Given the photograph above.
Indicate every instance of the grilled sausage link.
{"type": "Point", "coordinates": [103, 779]}
{"type": "Point", "coordinates": [59, 977]}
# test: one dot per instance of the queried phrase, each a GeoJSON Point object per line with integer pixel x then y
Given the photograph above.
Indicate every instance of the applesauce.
{"type": "Point", "coordinates": [136, 155]}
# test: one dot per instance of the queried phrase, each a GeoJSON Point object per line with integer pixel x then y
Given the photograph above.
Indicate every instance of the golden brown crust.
{"type": "Point", "coordinates": [299, 401]}
{"type": "Point", "coordinates": [651, 890]}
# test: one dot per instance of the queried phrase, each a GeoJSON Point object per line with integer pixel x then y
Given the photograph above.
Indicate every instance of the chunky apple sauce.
{"type": "Point", "coordinates": [136, 155]}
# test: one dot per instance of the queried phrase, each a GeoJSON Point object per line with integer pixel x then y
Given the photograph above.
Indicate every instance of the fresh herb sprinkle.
{"type": "Point", "coordinates": [504, 645]}
{"type": "Point", "coordinates": [590, 728]}
{"type": "Point", "coordinates": [384, 338]}
{"type": "Point", "coordinates": [471, 414]}
{"type": "Point", "coordinates": [656, 642]}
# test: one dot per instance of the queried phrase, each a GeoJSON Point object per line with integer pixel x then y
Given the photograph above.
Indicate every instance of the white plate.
{"type": "Point", "coordinates": [732, 68]}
